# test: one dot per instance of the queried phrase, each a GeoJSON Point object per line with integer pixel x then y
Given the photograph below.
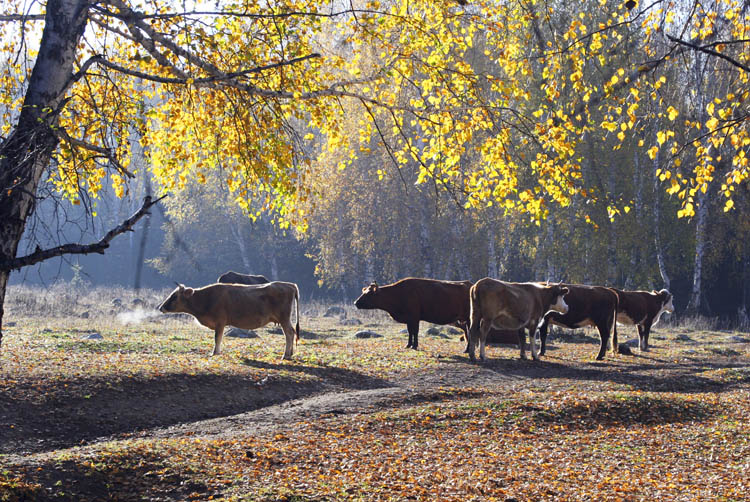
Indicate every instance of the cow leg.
{"type": "Point", "coordinates": [644, 337]}
{"type": "Point", "coordinates": [465, 327]}
{"type": "Point", "coordinates": [474, 338]}
{"type": "Point", "coordinates": [484, 328]}
{"type": "Point", "coordinates": [543, 336]}
{"type": "Point", "coordinates": [604, 336]}
{"type": "Point", "coordinates": [532, 342]}
{"type": "Point", "coordinates": [615, 343]}
{"type": "Point", "coordinates": [413, 328]}
{"type": "Point", "coordinates": [289, 335]}
{"type": "Point", "coordinates": [522, 342]}
{"type": "Point", "coordinates": [218, 335]}
{"type": "Point", "coordinates": [641, 338]}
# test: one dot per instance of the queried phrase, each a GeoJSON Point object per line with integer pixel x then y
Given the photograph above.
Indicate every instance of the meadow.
{"type": "Point", "coordinates": [102, 398]}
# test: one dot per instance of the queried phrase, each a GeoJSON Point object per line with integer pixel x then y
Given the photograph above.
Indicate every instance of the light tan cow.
{"type": "Point", "coordinates": [247, 307]}
{"type": "Point", "coordinates": [514, 306]}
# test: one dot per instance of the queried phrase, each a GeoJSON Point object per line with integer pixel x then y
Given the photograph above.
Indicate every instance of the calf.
{"type": "Point", "coordinates": [642, 309]}
{"type": "Point", "coordinates": [246, 307]}
{"type": "Point", "coordinates": [587, 306]}
{"type": "Point", "coordinates": [412, 300]}
{"type": "Point", "coordinates": [514, 306]}
{"type": "Point", "coordinates": [237, 278]}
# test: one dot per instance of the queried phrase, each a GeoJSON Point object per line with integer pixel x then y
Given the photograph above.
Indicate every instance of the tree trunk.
{"type": "Point", "coordinates": [657, 227]}
{"type": "Point", "coordinates": [491, 253]}
{"type": "Point", "coordinates": [27, 151]}
{"type": "Point", "coordinates": [638, 187]}
{"type": "Point", "coordinates": [696, 304]}
{"type": "Point", "coordinates": [425, 245]}
{"type": "Point", "coordinates": [549, 244]}
{"type": "Point", "coordinates": [236, 229]}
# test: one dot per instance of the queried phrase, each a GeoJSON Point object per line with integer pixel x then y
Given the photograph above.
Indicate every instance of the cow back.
{"type": "Point", "coordinates": [237, 278]}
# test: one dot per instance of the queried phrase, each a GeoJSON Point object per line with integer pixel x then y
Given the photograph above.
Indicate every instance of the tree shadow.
{"type": "Point", "coordinates": [658, 376]}
{"type": "Point", "coordinates": [125, 475]}
{"type": "Point", "coordinates": [342, 377]}
{"type": "Point", "coordinates": [99, 407]}
{"type": "Point", "coordinates": [614, 411]}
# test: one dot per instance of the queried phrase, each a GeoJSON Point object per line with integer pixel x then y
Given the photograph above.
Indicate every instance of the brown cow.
{"type": "Point", "coordinates": [246, 307]}
{"type": "Point", "coordinates": [587, 306]}
{"type": "Point", "coordinates": [237, 278]}
{"type": "Point", "coordinates": [412, 300]}
{"type": "Point", "coordinates": [514, 306]}
{"type": "Point", "coordinates": [643, 309]}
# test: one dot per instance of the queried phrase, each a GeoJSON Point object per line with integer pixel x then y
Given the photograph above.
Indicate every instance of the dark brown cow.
{"type": "Point", "coordinates": [412, 300]}
{"type": "Point", "coordinates": [587, 306]}
{"type": "Point", "coordinates": [242, 306]}
{"type": "Point", "coordinates": [643, 309]}
{"type": "Point", "coordinates": [237, 278]}
{"type": "Point", "coordinates": [514, 306]}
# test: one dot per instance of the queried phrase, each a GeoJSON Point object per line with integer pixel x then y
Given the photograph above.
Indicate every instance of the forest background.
{"type": "Point", "coordinates": [621, 129]}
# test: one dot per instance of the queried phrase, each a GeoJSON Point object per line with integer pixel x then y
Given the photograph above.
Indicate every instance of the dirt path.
{"type": "Point", "coordinates": [424, 387]}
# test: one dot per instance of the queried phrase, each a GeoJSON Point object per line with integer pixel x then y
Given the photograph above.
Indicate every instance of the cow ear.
{"type": "Point", "coordinates": [188, 292]}
{"type": "Point", "coordinates": [564, 290]}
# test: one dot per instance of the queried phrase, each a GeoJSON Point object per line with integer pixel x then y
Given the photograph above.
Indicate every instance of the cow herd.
{"type": "Point", "coordinates": [251, 301]}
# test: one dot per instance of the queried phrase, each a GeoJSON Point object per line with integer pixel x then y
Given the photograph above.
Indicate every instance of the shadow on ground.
{"type": "Point", "coordinates": [648, 372]}
{"type": "Point", "coordinates": [134, 404]}
{"type": "Point", "coordinates": [123, 476]}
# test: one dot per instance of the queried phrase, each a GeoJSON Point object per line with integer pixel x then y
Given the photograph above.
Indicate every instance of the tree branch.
{"type": "Point", "coordinates": [708, 51]}
{"type": "Point", "coordinates": [96, 247]}
{"type": "Point", "coordinates": [105, 152]}
{"type": "Point", "coordinates": [5, 18]}
{"type": "Point", "coordinates": [202, 81]}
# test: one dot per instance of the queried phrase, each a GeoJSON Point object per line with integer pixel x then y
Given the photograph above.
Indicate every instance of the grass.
{"type": "Point", "coordinates": [146, 414]}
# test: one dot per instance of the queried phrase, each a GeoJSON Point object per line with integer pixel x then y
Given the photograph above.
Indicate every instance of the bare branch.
{"type": "Point", "coordinates": [11, 18]}
{"type": "Point", "coordinates": [204, 80]}
{"type": "Point", "coordinates": [708, 51]}
{"type": "Point", "coordinates": [97, 247]}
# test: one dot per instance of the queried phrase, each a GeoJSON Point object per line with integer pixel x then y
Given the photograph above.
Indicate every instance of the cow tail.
{"type": "Point", "coordinates": [615, 345]}
{"type": "Point", "coordinates": [475, 313]}
{"type": "Point", "coordinates": [296, 298]}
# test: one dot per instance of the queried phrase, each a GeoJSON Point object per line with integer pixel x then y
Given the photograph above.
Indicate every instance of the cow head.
{"type": "Point", "coordinates": [369, 297]}
{"type": "Point", "coordinates": [558, 302]}
{"type": "Point", "coordinates": [666, 300]}
{"type": "Point", "coordinates": [175, 302]}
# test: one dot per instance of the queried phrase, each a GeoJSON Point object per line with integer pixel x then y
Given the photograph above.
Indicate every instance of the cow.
{"type": "Point", "coordinates": [643, 309]}
{"type": "Point", "coordinates": [511, 305]}
{"type": "Point", "coordinates": [237, 278]}
{"type": "Point", "coordinates": [242, 306]}
{"type": "Point", "coordinates": [411, 300]}
{"type": "Point", "coordinates": [587, 306]}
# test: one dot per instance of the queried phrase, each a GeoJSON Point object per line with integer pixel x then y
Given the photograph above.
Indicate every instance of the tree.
{"type": "Point", "coordinates": [241, 89]}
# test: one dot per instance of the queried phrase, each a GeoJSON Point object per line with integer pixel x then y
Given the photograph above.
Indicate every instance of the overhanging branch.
{"type": "Point", "coordinates": [97, 247]}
